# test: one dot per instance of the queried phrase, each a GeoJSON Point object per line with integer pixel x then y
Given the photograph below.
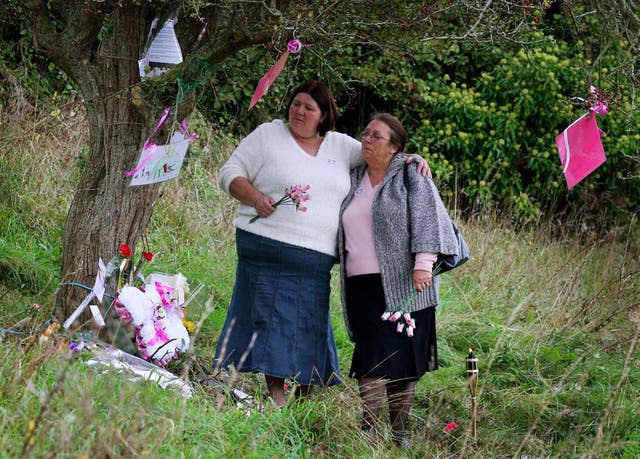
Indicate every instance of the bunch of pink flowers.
{"type": "Point", "coordinates": [407, 324]}
{"type": "Point", "coordinates": [294, 195]}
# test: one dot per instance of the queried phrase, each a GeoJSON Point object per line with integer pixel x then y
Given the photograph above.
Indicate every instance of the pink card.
{"type": "Point", "coordinates": [580, 149]}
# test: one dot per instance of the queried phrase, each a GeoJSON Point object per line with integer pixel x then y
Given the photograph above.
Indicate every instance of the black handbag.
{"type": "Point", "coordinates": [446, 263]}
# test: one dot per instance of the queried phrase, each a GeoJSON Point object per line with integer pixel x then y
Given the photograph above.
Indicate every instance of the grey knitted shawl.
{"type": "Point", "coordinates": [408, 217]}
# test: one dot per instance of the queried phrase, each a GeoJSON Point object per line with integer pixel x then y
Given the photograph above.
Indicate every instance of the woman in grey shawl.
{"type": "Point", "coordinates": [393, 226]}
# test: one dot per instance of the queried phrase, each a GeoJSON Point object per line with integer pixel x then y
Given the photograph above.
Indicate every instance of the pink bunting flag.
{"type": "Point", "coordinates": [580, 148]}
{"type": "Point", "coordinates": [268, 78]}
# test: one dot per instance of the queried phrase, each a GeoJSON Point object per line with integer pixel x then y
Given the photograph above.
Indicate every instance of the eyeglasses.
{"type": "Point", "coordinates": [374, 137]}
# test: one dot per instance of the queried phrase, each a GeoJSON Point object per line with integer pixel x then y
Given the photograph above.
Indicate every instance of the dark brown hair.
{"type": "Point", "coordinates": [321, 93]}
{"type": "Point", "coordinates": [398, 134]}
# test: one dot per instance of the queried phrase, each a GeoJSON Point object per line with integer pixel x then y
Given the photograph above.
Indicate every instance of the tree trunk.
{"type": "Point", "coordinates": [98, 46]}
{"type": "Point", "coordinates": [105, 211]}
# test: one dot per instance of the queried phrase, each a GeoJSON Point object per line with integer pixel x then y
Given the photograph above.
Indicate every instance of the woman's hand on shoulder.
{"type": "Point", "coordinates": [421, 279]}
{"type": "Point", "coordinates": [421, 164]}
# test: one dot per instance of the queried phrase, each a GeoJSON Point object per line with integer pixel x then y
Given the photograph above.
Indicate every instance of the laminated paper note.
{"type": "Point", "coordinates": [163, 53]}
{"type": "Point", "coordinates": [162, 163]}
{"type": "Point", "coordinates": [580, 148]}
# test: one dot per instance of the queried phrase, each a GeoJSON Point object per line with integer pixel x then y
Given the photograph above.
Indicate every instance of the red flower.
{"type": "Point", "coordinates": [125, 250]}
{"type": "Point", "coordinates": [451, 426]}
{"type": "Point", "coordinates": [147, 256]}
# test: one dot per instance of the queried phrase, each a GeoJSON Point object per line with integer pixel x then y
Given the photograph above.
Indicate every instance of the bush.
{"type": "Point", "coordinates": [493, 139]}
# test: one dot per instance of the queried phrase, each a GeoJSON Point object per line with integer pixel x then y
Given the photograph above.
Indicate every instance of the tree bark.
{"type": "Point", "coordinates": [105, 211]}
{"type": "Point", "coordinates": [98, 47]}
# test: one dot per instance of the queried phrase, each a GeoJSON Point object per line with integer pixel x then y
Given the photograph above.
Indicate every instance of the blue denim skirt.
{"type": "Point", "coordinates": [280, 302]}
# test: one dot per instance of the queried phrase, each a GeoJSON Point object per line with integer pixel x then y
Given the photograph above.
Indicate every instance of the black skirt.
{"type": "Point", "coordinates": [380, 351]}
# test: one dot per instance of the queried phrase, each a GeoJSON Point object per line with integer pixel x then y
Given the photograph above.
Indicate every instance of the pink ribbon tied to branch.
{"type": "Point", "coordinates": [294, 46]}
{"type": "Point", "coordinates": [149, 145]}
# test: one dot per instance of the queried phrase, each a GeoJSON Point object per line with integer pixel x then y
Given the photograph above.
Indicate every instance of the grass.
{"type": "Point", "coordinates": [553, 316]}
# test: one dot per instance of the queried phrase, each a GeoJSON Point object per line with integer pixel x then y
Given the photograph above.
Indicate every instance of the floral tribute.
{"type": "Point", "coordinates": [295, 195]}
{"type": "Point", "coordinates": [404, 322]}
{"type": "Point", "coordinates": [154, 309]}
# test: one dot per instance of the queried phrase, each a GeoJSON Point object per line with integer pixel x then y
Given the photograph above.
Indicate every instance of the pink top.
{"type": "Point", "coordinates": [358, 231]}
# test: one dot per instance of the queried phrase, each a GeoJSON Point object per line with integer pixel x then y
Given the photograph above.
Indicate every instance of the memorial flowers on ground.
{"type": "Point", "coordinates": [153, 306]}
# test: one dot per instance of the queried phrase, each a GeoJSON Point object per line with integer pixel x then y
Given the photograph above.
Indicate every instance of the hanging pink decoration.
{"type": "Point", "coordinates": [294, 46]}
{"type": "Point", "coordinates": [580, 145]}
{"type": "Point", "coordinates": [580, 148]}
{"type": "Point", "coordinates": [268, 78]}
{"type": "Point", "coordinates": [599, 106]}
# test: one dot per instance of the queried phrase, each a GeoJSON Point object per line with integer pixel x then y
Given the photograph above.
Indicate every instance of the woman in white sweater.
{"type": "Point", "coordinates": [278, 320]}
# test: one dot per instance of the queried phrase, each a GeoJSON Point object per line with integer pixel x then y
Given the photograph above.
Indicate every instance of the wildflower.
{"type": "Point", "coordinates": [51, 329]}
{"type": "Point", "coordinates": [190, 326]}
{"type": "Point", "coordinates": [76, 347]}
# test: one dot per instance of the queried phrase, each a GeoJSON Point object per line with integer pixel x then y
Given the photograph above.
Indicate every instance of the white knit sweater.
{"type": "Point", "coordinates": [272, 160]}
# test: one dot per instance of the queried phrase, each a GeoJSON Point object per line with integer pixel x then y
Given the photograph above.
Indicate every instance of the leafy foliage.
{"type": "Point", "coordinates": [493, 137]}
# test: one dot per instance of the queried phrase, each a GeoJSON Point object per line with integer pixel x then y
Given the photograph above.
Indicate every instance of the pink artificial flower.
{"type": "Point", "coordinates": [395, 316]}
{"type": "Point", "coordinates": [400, 327]}
{"type": "Point", "coordinates": [164, 291]}
{"type": "Point", "coordinates": [451, 426]}
{"type": "Point", "coordinates": [385, 315]}
{"type": "Point", "coordinates": [293, 195]}
{"type": "Point", "coordinates": [294, 46]}
{"type": "Point", "coordinates": [410, 331]}
{"type": "Point", "coordinates": [600, 107]}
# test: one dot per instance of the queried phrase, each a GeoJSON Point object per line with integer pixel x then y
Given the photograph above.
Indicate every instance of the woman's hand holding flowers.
{"type": "Point", "coordinates": [294, 195]}
{"type": "Point", "coordinates": [264, 205]}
